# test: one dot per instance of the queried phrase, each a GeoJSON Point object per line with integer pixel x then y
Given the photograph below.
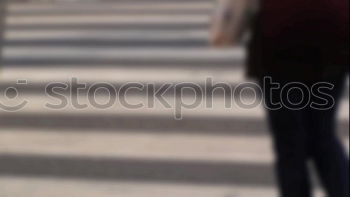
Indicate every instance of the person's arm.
{"type": "Point", "coordinates": [230, 21]}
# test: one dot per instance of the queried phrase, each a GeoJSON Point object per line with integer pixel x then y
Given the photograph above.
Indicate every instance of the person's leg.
{"type": "Point", "coordinates": [290, 145]}
{"type": "Point", "coordinates": [329, 155]}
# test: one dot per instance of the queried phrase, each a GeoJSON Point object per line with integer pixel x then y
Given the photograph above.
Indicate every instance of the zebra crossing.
{"type": "Point", "coordinates": [117, 151]}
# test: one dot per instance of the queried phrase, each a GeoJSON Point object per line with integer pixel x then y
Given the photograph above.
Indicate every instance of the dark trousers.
{"type": "Point", "coordinates": [307, 135]}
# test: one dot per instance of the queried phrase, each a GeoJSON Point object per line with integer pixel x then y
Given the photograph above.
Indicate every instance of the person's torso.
{"type": "Point", "coordinates": [306, 21]}
{"type": "Point", "coordinates": [300, 37]}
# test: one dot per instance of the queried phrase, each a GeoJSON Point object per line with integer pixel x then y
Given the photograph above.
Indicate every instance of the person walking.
{"type": "Point", "coordinates": [307, 43]}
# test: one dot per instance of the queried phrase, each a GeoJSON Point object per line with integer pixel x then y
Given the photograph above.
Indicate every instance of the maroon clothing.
{"type": "Point", "coordinates": [308, 20]}
{"type": "Point", "coordinates": [300, 39]}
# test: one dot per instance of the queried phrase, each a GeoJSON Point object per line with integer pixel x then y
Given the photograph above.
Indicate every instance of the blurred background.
{"type": "Point", "coordinates": [120, 152]}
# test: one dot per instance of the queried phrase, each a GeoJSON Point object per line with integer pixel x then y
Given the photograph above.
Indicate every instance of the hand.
{"type": "Point", "coordinates": [221, 39]}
